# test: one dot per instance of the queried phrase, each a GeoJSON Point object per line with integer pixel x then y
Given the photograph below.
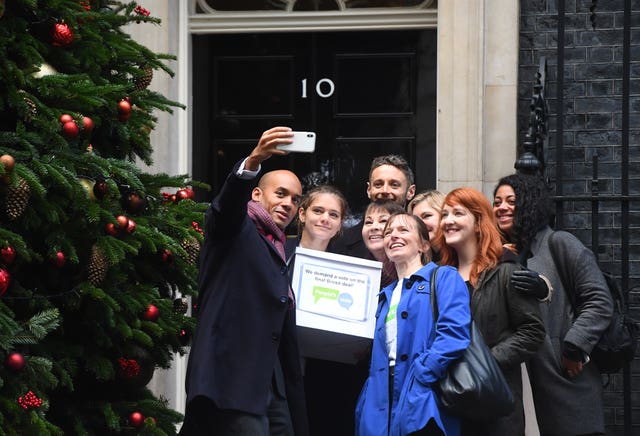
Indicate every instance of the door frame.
{"type": "Point", "coordinates": [476, 89]}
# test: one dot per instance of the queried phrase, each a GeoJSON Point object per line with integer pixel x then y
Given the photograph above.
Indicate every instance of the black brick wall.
{"type": "Point", "coordinates": [591, 119]}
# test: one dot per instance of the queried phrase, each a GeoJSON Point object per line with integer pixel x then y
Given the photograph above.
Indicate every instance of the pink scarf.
{"type": "Point", "coordinates": [270, 230]}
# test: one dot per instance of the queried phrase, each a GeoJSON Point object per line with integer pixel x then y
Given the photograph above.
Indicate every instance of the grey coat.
{"type": "Point", "coordinates": [569, 406]}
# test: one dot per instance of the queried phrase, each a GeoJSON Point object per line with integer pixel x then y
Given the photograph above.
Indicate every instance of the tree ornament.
{"type": "Point", "coordinates": [141, 11]}
{"type": "Point", "coordinates": [124, 110]}
{"type": "Point", "coordinates": [65, 118]}
{"type": "Point", "coordinates": [131, 226]}
{"type": "Point", "coordinates": [70, 130]}
{"type": "Point", "coordinates": [130, 368]}
{"type": "Point", "coordinates": [196, 227]}
{"type": "Point", "coordinates": [184, 337]}
{"type": "Point", "coordinates": [87, 125]}
{"type": "Point", "coordinates": [124, 225]}
{"type": "Point", "coordinates": [184, 194]}
{"type": "Point", "coordinates": [152, 313]}
{"type": "Point", "coordinates": [17, 199]}
{"type": "Point", "coordinates": [133, 202]}
{"type": "Point", "coordinates": [167, 256]}
{"type": "Point", "coordinates": [97, 266]}
{"type": "Point", "coordinates": [180, 306]}
{"type": "Point", "coordinates": [101, 188]}
{"type": "Point", "coordinates": [111, 229]}
{"type": "Point", "coordinates": [8, 161]}
{"type": "Point", "coordinates": [192, 247]}
{"type": "Point", "coordinates": [5, 281]}
{"type": "Point", "coordinates": [29, 401]}
{"type": "Point", "coordinates": [88, 185]}
{"type": "Point", "coordinates": [15, 362]}
{"type": "Point", "coordinates": [45, 70]}
{"type": "Point", "coordinates": [59, 259]}
{"type": "Point", "coordinates": [136, 419]}
{"type": "Point", "coordinates": [135, 369]}
{"type": "Point", "coordinates": [62, 35]}
{"type": "Point", "coordinates": [7, 254]}
{"type": "Point", "coordinates": [86, 5]}
{"type": "Point", "coordinates": [144, 78]}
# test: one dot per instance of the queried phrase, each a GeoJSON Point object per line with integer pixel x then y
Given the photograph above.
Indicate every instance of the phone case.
{"type": "Point", "coordinates": [303, 142]}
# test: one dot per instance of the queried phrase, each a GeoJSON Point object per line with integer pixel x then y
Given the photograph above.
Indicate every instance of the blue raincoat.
{"type": "Point", "coordinates": [418, 365]}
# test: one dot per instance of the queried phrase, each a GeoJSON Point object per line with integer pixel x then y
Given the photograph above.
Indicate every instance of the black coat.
{"type": "Point", "coordinates": [350, 243]}
{"type": "Point", "coordinates": [512, 327]}
{"type": "Point", "coordinates": [244, 317]}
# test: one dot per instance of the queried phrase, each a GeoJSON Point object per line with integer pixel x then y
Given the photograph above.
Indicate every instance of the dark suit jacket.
{"type": "Point", "coordinates": [350, 243]}
{"type": "Point", "coordinates": [245, 320]}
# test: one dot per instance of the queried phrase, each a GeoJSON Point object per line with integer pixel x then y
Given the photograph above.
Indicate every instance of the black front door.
{"type": "Point", "coordinates": [365, 94]}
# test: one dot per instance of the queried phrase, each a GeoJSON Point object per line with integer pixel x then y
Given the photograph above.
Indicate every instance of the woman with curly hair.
{"type": "Point", "coordinates": [567, 388]}
{"type": "Point", "coordinates": [509, 320]}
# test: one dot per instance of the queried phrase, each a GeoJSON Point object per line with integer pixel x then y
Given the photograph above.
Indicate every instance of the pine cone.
{"type": "Point", "coordinates": [31, 109]}
{"type": "Point", "coordinates": [180, 306]}
{"type": "Point", "coordinates": [17, 199]}
{"type": "Point", "coordinates": [143, 80]}
{"type": "Point", "coordinates": [192, 247]}
{"type": "Point", "coordinates": [97, 267]}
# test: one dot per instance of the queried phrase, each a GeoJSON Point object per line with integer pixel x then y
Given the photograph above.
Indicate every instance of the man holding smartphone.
{"type": "Point", "coordinates": [244, 375]}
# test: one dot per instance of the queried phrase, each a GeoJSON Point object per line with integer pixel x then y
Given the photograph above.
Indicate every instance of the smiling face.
{"type": "Point", "coordinates": [322, 219]}
{"type": "Point", "coordinates": [374, 222]}
{"type": "Point", "coordinates": [429, 216]}
{"type": "Point", "coordinates": [388, 183]}
{"type": "Point", "coordinates": [459, 227]}
{"type": "Point", "coordinates": [504, 206]}
{"type": "Point", "coordinates": [402, 241]}
{"type": "Point", "coordinates": [279, 192]}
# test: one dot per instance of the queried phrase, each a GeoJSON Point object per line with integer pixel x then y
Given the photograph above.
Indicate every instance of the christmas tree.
{"type": "Point", "coordinates": [96, 255]}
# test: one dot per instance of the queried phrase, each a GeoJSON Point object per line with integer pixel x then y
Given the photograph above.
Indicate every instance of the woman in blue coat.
{"type": "Point", "coordinates": [407, 357]}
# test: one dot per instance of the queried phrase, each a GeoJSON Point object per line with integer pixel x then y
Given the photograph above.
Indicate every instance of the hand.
{"type": "Point", "coordinates": [530, 283]}
{"type": "Point", "coordinates": [572, 367]}
{"type": "Point", "coordinates": [267, 144]}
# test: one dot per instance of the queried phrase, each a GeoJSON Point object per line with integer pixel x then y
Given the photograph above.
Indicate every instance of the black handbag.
{"type": "Point", "coordinates": [474, 386]}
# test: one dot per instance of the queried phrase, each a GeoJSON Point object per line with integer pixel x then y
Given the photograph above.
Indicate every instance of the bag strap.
{"type": "Point", "coordinates": [434, 302]}
{"type": "Point", "coordinates": [561, 268]}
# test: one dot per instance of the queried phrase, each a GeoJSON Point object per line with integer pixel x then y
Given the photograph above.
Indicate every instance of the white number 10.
{"type": "Point", "coordinates": [332, 87]}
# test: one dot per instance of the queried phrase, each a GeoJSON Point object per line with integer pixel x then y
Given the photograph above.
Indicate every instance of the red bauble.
{"type": "Point", "coordinates": [59, 259]}
{"type": "Point", "coordinates": [87, 125]}
{"type": "Point", "coordinates": [123, 222]}
{"type": "Point", "coordinates": [124, 110]}
{"type": "Point", "coordinates": [65, 118]}
{"type": "Point", "coordinates": [70, 129]}
{"type": "Point", "coordinates": [136, 419]}
{"type": "Point", "coordinates": [15, 362]}
{"type": "Point", "coordinates": [5, 281]}
{"type": "Point", "coordinates": [131, 226]}
{"type": "Point", "coordinates": [111, 229]}
{"type": "Point", "coordinates": [61, 35]}
{"type": "Point", "coordinates": [184, 337]}
{"type": "Point", "coordinates": [167, 256]}
{"type": "Point", "coordinates": [100, 189]}
{"type": "Point", "coordinates": [152, 313]}
{"type": "Point", "coordinates": [185, 193]}
{"type": "Point", "coordinates": [7, 254]}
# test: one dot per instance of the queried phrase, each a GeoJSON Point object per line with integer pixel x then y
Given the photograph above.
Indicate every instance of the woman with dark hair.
{"type": "Point", "coordinates": [509, 320]}
{"type": "Point", "coordinates": [409, 353]}
{"type": "Point", "coordinates": [567, 389]}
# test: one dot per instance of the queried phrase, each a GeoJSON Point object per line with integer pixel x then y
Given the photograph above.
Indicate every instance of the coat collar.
{"type": "Point", "coordinates": [422, 275]}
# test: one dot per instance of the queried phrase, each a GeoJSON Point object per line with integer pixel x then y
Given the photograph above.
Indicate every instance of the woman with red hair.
{"type": "Point", "coordinates": [509, 320]}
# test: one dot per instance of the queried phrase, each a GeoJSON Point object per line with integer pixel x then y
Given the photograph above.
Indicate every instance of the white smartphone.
{"type": "Point", "coordinates": [303, 142]}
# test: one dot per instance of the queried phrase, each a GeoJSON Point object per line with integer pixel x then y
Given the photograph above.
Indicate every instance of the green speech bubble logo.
{"type": "Point", "coordinates": [328, 293]}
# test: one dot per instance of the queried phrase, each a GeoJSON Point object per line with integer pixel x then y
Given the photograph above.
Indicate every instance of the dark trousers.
{"type": "Point", "coordinates": [204, 418]}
